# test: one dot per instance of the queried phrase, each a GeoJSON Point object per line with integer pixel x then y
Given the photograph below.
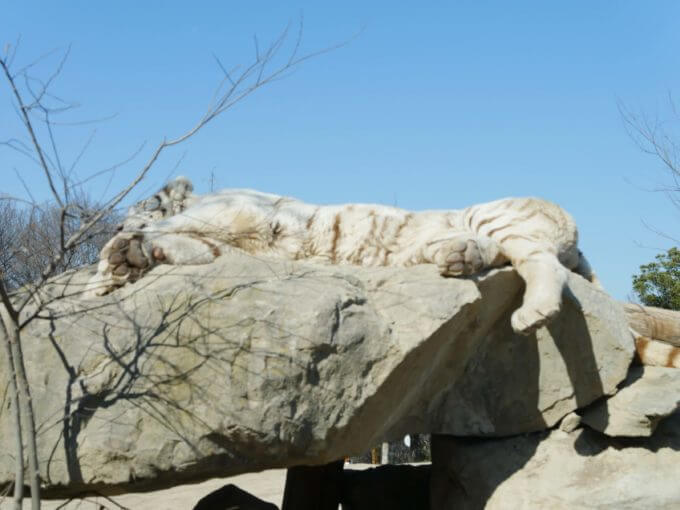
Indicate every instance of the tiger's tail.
{"type": "Point", "coordinates": [656, 353]}
{"type": "Point", "coordinates": [657, 334]}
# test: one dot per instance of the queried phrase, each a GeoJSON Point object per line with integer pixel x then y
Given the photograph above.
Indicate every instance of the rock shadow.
{"type": "Point", "coordinates": [508, 379]}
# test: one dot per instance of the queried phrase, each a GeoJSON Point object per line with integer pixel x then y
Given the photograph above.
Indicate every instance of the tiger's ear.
{"type": "Point", "coordinates": [179, 188]}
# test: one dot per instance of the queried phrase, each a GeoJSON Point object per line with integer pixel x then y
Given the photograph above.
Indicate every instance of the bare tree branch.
{"type": "Point", "coordinates": [29, 127]}
{"type": "Point", "coordinates": [44, 240]}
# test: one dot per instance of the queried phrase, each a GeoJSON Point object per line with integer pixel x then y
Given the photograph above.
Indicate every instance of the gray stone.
{"type": "Point", "coordinates": [250, 363]}
{"type": "Point", "coordinates": [512, 385]}
{"type": "Point", "coordinates": [648, 395]}
{"type": "Point", "coordinates": [559, 471]}
{"type": "Point", "coordinates": [654, 323]}
{"type": "Point", "coordinates": [570, 422]}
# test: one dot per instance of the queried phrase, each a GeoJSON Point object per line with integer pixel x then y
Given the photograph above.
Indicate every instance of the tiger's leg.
{"type": "Point", "coordinates": [540, 241]}
{"type": "Point", "coordinates": [544, 279]}
{"type": "Point", "coordinates": [537, 265]}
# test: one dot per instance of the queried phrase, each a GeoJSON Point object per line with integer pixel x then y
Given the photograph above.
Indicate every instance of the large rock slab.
{"type": "Point", "coordinates": [512, 385]}
{"type": "Point", "coordinates": [559, 471]}
{"type": "Point", "coordinates": [250, 363]}
{"type": "Point", "coordinates": [649, 394]}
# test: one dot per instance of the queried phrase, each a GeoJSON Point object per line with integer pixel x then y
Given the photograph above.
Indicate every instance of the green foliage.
{"type": "Point", "coordinates": [658, 283]}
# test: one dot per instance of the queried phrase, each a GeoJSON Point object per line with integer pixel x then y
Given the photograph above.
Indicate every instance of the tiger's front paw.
{"type": "Point", "coordinates": [527, 319]}
{"type": "Point", "coordinates": [125, 259]}
{"type": "Point", "coordinates": [458, 256]}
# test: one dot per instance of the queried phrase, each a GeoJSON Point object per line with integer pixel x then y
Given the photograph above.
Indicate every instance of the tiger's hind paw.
{"type": "Point", "coordinates": [458, 256]}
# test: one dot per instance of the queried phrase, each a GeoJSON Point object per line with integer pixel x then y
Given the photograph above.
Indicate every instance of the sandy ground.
{"type": "Point", "coordinates": [267, 485]}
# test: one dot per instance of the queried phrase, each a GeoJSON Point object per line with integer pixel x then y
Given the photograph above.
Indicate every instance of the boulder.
{"type": "Point", "coordinates": [648, 395]}
{"type": "Point", "coordinates": [511, 385]}
{"type": "Point", "coordinates": [250, 363]}
{"type": "Point", "coordinates": [558, 470]}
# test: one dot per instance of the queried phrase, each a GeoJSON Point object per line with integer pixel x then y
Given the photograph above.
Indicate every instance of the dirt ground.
{"type": "Point", "coordinates": [266, 485]}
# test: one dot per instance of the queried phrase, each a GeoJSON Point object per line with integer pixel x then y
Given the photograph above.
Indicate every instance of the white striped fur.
{"type": "Point", "coordinates": [654, 352]}
{"type": "Point", "coordinates": [175, 226]}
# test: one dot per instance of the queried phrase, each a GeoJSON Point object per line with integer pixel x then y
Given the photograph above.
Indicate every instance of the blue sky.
{"type": "Point", "coordinates": [433, 105]}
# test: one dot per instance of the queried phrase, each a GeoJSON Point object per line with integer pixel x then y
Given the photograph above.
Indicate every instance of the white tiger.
{"type": "Point", "coordinates": [176, 226]}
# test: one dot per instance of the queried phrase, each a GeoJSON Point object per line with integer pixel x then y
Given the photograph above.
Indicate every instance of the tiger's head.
{"type": "Point", "coordinates": [168, 201]}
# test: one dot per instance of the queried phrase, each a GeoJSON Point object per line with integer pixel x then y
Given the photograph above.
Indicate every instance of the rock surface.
{"type": "Point", "coordinates": [648, 395]}
{"type": "Point", "coordinates": [570, 422]}
{"type": "Point", "coordinates": [559, 471]}
{"type": "Point", "coordinates": [653, 322]}
{"type": "Point", "coordinates": [250, 363]}
{"type": "Point", "coordinates": [512, 385]}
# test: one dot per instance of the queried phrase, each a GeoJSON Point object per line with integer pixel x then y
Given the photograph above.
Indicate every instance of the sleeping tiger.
{"type": "Point", "coordinates": [176, 226]}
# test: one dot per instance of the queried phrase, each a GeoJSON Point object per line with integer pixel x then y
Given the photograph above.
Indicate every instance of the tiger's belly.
{"type": "Point", "coordinates": [370, 235]}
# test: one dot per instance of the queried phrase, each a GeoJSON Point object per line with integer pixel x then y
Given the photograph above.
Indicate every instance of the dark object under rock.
{"type": "Point", "coordinates": [387, 487]}
{"type": "Point", "coordinates": [231, 497]}
{"type": "Point", "coordinates": [313, 487]}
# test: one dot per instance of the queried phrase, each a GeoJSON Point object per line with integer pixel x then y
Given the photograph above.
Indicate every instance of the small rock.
{"type": "Point", "coordinates": [570, 422]}
{"type": "Point", "coordinates": [649, 394]}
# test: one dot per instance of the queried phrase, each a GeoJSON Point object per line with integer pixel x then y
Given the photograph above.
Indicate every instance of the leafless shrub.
{"type": "Point", "coordinates": [29, 239]}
